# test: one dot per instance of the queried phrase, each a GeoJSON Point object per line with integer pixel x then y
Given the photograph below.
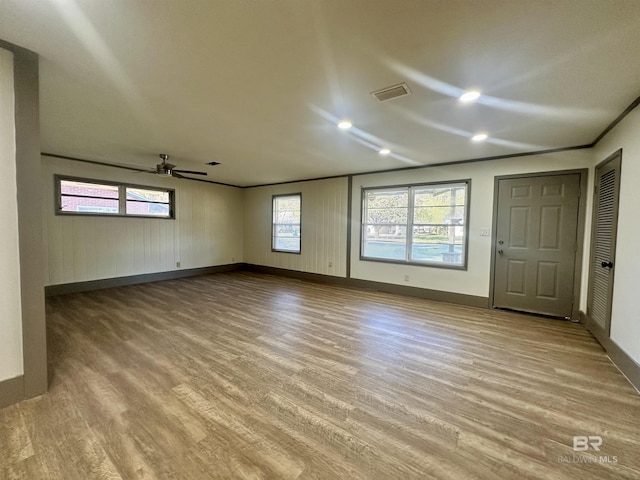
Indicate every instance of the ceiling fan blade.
{"type": "Point", "coordinates": [190, 172]}
{"type": "Point", "coordinates": [176, 175]}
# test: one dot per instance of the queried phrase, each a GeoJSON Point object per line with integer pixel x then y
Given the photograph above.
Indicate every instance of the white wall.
{"type": "Point", "coordinates": [207, 230]}
{"type": "Point", "coordinates": [11, 364]}
{"type": "Point", "coordinates": [323, 228]}
{"type": "Point", "coordinates": [625, 315]}
{"type": "Point", "coordinates": [475, 280]}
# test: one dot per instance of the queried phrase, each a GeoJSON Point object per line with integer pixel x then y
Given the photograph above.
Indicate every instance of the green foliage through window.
{"type": "Point", "coordinates": [423, 224]}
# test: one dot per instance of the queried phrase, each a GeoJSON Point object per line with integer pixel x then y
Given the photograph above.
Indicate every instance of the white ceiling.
{"type": "Point", "coordinates": [258, 84]}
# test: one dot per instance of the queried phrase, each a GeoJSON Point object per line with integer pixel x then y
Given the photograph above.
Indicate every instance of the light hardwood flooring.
{"type": "Point", "coordinates": [253, 376]}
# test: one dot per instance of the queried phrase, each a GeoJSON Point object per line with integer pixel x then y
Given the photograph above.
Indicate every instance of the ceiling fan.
{"type": "Point", "coordinates": [167, 169]}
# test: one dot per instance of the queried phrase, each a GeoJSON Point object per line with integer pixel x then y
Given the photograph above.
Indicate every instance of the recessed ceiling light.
{"type": "Point", "coordinates": [470, 96]}
{"type": "Point", "coordinates": [344, 125]}
{"type": "Point", "coordinates": [479, 137]}
{"type": "Point", "coordinates": [384, 151]}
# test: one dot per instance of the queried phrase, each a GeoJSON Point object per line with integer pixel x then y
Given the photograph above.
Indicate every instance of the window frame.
{"type": "Point", "coordinates": [410, 224]}
{"type": "Point", "coordinates": [122, 198]}
{"type": "Point", "coordinates": [273, 223]}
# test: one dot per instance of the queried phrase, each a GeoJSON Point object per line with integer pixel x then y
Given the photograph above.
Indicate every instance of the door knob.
{"type": "Point", "coordinates": [500, 242]}
{"type": "Point", "coordinates": [500, 252]}
{"type": "Point", "coordinates": [607, 264]}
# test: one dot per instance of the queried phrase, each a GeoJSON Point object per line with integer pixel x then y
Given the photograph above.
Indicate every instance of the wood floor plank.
{"type": "Point", "coordinates": [249, 376]}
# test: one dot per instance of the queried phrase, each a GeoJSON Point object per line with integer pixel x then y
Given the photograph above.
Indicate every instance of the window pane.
{"type": "Point", "coordinates": [450, 215]}
{"type": "Point", "coordinates": [431, 195]}
{"type": "Point", "coordinates": [437, 253]}
{"type": "Point", "coordinates": [287, 243]}
{"type": "Point", "coordinates": [438, 228]}
{"type": "Point", "coordinates": [87, 197]}
{"type": "Point", "coordinates": [68, 187]}
{"type": "Point", "coordinates": [385, 228]}
{"type": "Point", "coordinates": [438, 245]}
{"type": "Point", "coordinates": [439, 234]}
{"type": "Point", "coordinates": [287, 210]}
{"type": "Point", "coordinates": [89, 205]}
{"type": "Point", "coordinates": [148, 208]}
{"type": "Point", "coordinates": [439, 205]}
{"type": "Point", "coordinates": [286, 223]}
{"type": "Point", "coordinates": [387, 207]}
{"type": "Point", "coordinates": [143, 195]}
{"type": "Point", "coordinates": [385, 242]}
{"type": "Point", "coordinates": [142, 201]}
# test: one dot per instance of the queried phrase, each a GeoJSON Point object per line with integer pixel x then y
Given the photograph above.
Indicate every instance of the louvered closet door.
{"type": "Point", "coordinates": [603, 246]}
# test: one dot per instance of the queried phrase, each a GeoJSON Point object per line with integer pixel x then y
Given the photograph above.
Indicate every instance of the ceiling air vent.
{"type": "Point", "coordinates": [392, 92]}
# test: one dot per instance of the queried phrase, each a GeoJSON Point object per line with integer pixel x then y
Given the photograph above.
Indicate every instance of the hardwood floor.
{"type": "Point", "coordinates": [252, 376]}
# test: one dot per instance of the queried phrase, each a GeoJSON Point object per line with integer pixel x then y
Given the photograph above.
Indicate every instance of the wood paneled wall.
{"type": "Point", "coordinates": [207, 230]}
{"type": "Point", "coordinates": [324, 227]}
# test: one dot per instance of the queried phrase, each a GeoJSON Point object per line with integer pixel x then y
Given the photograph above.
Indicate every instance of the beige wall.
{"type": "Point", "coordinates": [207, 230]}
{"type": "Point", "coordinates": [625, 315]}
{"type": "Point", "coordinates": [323, 229]}
{"type": "Point", "coordinates": [476, 279]}
{"type": "Point", "coordinates": [11, 362]}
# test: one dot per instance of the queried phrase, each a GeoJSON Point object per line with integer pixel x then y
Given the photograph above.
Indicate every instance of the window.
{"type": "Point", "coordinates": [417, 224]}
{"type": "Point", "coordinates": [142, 201]}
{"type": "Point", "coordinates": [286, 223]}
{"type": "Point", "coordinates": [93, 197]}
{"type": "Point", "coordinates": [85, 197]}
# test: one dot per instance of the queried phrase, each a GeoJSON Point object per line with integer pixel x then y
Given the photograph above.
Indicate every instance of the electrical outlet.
{"type": "Point", "coordinates": [330, 264]}
{"type": "Point", "coordinates": [233, 259]}
{"type": "Point", "coordinates": [178, 264]}
{"type": "Point", "coordinates": [485, 232]}
{"type": "Point", "coordinates": [406, 278]}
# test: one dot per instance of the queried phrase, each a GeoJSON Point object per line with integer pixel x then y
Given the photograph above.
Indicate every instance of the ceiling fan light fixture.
{"type": "Point", "coordinates": [166, 169]}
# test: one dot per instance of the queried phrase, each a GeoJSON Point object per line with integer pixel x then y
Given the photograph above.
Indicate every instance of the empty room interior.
{"type": "Point", "coordinates": [319, 239]}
